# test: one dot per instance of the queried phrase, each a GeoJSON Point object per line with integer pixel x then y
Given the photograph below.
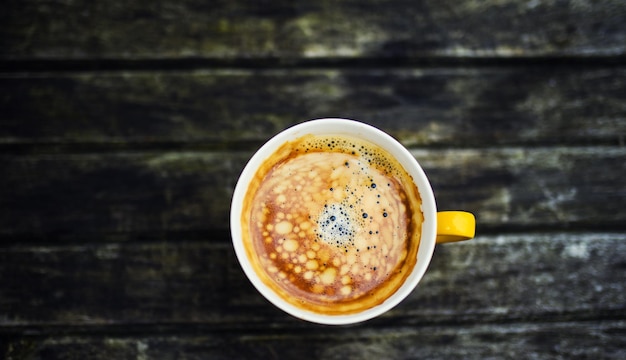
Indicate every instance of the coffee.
{"type": "Point", "coordinates": [332, 223]}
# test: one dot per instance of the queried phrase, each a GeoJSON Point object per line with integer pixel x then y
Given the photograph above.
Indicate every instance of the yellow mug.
{"type": "Point", "coordinates": [436, 228]}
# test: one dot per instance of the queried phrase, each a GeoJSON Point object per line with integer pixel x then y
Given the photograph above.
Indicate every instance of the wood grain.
{"type": "Point", "coordinates": [242, 108]}
{"type": "Point", "coordinates": [103, 195]}
{"type": "Point", "coordinates": [301, 29]}
{"type": "Point", "coordinates": [537, 341]}
{"type": "Point", "coordinates": [160, 285]}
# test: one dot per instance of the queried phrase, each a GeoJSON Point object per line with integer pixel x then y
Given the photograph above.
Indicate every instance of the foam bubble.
{"type": "Point", "coordinates": [336, 225]}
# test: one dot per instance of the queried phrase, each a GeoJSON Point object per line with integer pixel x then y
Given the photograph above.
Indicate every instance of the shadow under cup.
{"type": "Point", "coordinates": [251, 260]}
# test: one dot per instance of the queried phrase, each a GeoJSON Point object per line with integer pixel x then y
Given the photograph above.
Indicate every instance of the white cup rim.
{"type": "Point", "coordinates": [339, 126]}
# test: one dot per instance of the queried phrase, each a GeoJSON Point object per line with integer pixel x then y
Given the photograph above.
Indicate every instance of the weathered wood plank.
{"type": "Point", "coordinates": [239, 29]}
{"type": "Point", "coordinates": [108, 194]}
{"type": "Point", "coordinates": [606, 340]}
{"type": "Point", "coordinates": [419, 106]}
{"type": "Point", "coordinates": [99, 195]}
{"type": "Point", "coordinates": [551, 276]}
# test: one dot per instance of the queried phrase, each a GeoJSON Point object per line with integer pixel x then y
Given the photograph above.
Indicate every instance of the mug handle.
{"type": "Point", "coordinates": [453, 226]}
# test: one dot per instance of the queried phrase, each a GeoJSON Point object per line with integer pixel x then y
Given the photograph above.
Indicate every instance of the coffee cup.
{"type": "Point", "coordinates": [335, 222]}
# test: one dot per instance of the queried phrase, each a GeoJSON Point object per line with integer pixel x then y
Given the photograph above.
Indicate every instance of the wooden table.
{"type": "Point", "coordinates": [124, 127]}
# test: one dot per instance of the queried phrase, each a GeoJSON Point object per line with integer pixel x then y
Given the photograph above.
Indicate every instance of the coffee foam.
{"type": "Point", "coordinates": [333, 224]}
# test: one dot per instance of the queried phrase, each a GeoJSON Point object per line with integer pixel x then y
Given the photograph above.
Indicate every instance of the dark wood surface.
{"type": "Point", "coordinates": [124, 127]}
{"type": "Point", "coordinates": [223, 29]}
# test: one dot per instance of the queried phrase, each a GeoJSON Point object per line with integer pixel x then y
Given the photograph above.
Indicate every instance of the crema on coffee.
{"type": "Point", "coordinates": [332, 223]}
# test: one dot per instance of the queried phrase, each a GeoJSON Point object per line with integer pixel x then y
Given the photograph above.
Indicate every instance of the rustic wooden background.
{"type": "Point", "coordinates": [124, 126]}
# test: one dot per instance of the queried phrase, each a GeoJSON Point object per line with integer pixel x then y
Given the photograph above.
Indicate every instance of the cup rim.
{"type": "Point", "coordinates": [348, 127]}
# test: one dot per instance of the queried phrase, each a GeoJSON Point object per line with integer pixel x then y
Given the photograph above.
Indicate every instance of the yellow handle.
{"type": "Point", "coordinates": [455, 226]}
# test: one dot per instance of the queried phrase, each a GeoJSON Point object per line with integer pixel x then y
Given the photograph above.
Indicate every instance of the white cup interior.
{"type": "Point", "coordinates": [335, 126]}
